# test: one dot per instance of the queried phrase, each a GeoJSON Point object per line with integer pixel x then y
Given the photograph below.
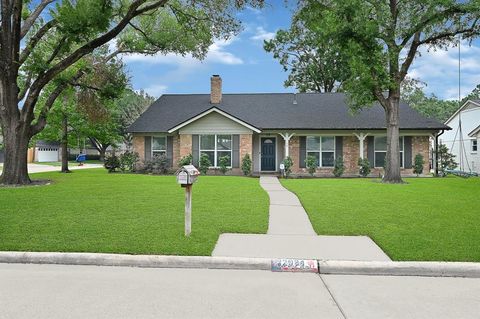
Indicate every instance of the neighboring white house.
{"type": "Point", "coordinates": [467, 153]}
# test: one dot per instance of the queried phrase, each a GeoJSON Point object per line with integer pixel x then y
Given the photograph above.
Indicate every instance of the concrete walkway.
{"type": "Point", "coordinates": [291, 235]}
{"type": "Point", "coordinates": [287, 216]}
{"type": "Point", "coordinates": [40, 168]}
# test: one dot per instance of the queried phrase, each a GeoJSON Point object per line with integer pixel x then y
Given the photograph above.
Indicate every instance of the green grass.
{"type": "Point", "coordinates": [93, 211]}
{"type": "Point", "coordinates": [426, 219]}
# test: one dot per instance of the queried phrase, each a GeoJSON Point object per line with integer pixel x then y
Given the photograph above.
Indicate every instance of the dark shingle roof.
{"type": "Point", "coordinates": [276, 111]}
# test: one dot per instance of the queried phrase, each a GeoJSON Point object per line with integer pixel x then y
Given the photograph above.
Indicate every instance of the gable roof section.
{"type": "Point", "coordinates": [466, 105]}
{"type": "Point", "coordinates": [213, 109]}
{"type": "Point", "coordinates": [275, 111]}
{"type": "Point", "coordinates": [475, 132]}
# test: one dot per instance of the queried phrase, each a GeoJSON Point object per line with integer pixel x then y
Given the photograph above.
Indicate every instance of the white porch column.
{"type": "Point", "coordinates": [286, 138]}
{"type": "Point", "coordinates": [361, 137]}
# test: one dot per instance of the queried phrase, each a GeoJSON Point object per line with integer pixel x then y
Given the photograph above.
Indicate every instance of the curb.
{"type": "Point", "coordinates": [400, 268]}
{"type": "Point", "coordinates": [326, 267]}
{"type": "Point", "coordinates": [145, 261]}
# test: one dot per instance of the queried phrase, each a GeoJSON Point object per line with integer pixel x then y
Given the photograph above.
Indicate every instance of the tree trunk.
{"type": "Point", "coordinates": [15, 170]}
{"type": "Point", "coordinates": [65, 144]}
{"type": "Point", "coordinates": [392, 169]}
{"type": "Point", "coordinates": [102, 151]}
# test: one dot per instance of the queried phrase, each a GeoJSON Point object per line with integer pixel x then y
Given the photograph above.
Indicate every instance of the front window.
{"type": "Point", "coordinates": [474, 146]}
{"type": "Point", "coordinates": [159, 145]}
{"type": "Point", "coordinates": [323, 149]}
{"type": "Point", "coordinates": [381, 150]}
{"type": "Point", "coordinates": [215, 147]}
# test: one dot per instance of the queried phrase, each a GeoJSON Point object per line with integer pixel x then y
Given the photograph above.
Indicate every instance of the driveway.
{"type": "Point", "coordinates": [58, 291]}
{"type": "Point", "coordinates": [39, 168]}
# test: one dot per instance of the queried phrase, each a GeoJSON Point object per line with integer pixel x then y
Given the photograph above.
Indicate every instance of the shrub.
{"type": "Point", "coordinates": [246, 165]}
{"type": "Point", "coordinates": [364, 166]}
{"type": "Point", "coordinates": [223, 163]}
{"type": "Point", "coordinates": [418, 164]}
{"type": "Point", "coordinates": [311, 164]}
{"type": "Point", "coordinates": [338, 167]}
{"type": "Point", "coordinates": [186, 160]}
{"type": "Point", "coordinates": [128, 161]}
{"type": "Point", "coordinates": [204, 163]}
{"type": "Point", "coordinates": [288, 163]}
{"type": "Point", "coordinates": [157, 165]}
{"type": "Point", "coordinates": [445, 159]}
{"type": "Point", "coordinates": [111, 163]}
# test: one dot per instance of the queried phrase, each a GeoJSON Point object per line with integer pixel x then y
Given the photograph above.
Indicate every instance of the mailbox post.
{"type": "Point", "coordinates": [186, 176]}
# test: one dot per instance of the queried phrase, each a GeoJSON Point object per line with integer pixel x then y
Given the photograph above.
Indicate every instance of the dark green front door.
{"type": "Point", "coordinates": [268, 153]}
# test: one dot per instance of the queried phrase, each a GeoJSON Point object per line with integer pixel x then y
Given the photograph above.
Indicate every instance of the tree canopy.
{"type": "Point", "coordinates": [44, 44]}
{"type": "Point", "coordinates": [380, 40]}
{"type": "Point", "coordinates": [314, 64]}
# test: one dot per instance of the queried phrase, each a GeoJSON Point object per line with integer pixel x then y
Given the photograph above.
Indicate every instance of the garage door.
{"type": "Point", "coordinates": [47, 154]}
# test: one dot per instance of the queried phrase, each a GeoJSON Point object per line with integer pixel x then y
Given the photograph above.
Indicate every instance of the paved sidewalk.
{"type": "Point", "coordinates": [54, 291]}
{"type": "Point", "coordinates": [291, 235]}
{"type": "Point", "coordinates": [57, 291]}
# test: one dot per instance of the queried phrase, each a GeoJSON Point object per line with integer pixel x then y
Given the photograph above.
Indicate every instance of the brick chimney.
{"type": "Point", "coordinates": [216, 89]}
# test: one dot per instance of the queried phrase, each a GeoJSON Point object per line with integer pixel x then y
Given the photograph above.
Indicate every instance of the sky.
{"type": "Point", "coordinates": [245, 67]}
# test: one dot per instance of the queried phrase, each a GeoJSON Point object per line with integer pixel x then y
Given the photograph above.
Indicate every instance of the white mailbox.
{"type": "Point", "coordinates": [187, 175]}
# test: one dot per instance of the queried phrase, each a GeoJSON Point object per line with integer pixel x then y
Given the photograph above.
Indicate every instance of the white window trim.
{"type": "Point", "coordinates": [375, 152]}
{"type": "Point", "coordinates": [215, 164]}
{"type": "Point", "coordinates": [320, 151]}
{"type": "Point", "coordinates": [151, 145]}
{"type": "Point", "coordinates": [472, 141]}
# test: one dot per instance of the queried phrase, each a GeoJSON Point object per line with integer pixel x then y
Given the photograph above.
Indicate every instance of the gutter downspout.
{"type": "Point", "coordinates": [436, 152]}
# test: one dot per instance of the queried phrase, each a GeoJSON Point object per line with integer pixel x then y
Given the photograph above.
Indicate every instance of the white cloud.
{"type": "Point", "coordinates": [262, 34]}
{"type": "Point", "coordinates": [439, 69]}
{"type": "Point", "coordinates": [156, 89]}
{"type": "Point", "coordinates": [217, 53]}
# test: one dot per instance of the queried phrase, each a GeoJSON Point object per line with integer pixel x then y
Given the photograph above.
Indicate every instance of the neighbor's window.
{"type": "Point", "coordinates": [380, 147]}
{"type": "Point", "coordinates": [216, 146]}
{"type": "Point", "coordinates": [159, 145]}
{"type": "Point", "coordinates": [323, 149]}
{"type": "Point", "coordinates": [474, 145]}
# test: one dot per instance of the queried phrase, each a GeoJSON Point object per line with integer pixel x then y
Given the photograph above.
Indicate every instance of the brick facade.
{"type": "Point", "coordinates": [138, 143]}
{"type": "Point", "coordinates": [176, 149]}
{"type": "Point", "coordinates": [182, 146]}
{"type": "Point", "coordinates": [245, 146]}
{"type": "Point", "coordinates": [185, 145]}
{"type": "Point", "coordinates": [294, 153]}
{"type": "Point", "coordinates": [421, 145]}
{"type": "Point", "coordinates": [351, 153]}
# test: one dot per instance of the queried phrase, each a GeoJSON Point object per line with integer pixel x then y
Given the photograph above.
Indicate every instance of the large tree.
{"type": "Point", "coordinates": [131, 105]}
{"type": "Point", "coordinates": [41, 41]}
{"type": "Point", "coordinates": [380, 40]}
{"type": "Point", "coordinates": [314, 64]}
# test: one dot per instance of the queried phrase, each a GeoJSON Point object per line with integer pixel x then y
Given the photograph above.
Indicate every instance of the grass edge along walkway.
{"type": "Point", "coordinates": [93, 211]}
{"type": "Point", "coordinates": [428, 219]}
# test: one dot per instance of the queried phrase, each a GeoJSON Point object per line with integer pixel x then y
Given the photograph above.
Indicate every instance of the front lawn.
{"type": "Point", "coordinates": [426, 219]}
{"type": "Point", "coordinates": [93, 211]}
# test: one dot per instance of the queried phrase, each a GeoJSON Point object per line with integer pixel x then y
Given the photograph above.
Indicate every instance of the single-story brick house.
{"type": "Point", "coordinates": [272, 126]}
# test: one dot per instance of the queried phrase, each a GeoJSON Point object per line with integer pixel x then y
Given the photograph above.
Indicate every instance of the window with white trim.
{"type": "Point", "coordinates": [323, 149]}
{"type": "Point", "coordinates": [474, 146]}
{"type": "Point", "coordinates": [216, 146]}
{"type": "Point", "coordinates": [159, 145]}
{"type": "Point", "coordinates": [380, 148]}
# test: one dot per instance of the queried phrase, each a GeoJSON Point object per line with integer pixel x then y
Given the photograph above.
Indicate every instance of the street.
{"type": "Point", "coordinates": [58, 291]}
